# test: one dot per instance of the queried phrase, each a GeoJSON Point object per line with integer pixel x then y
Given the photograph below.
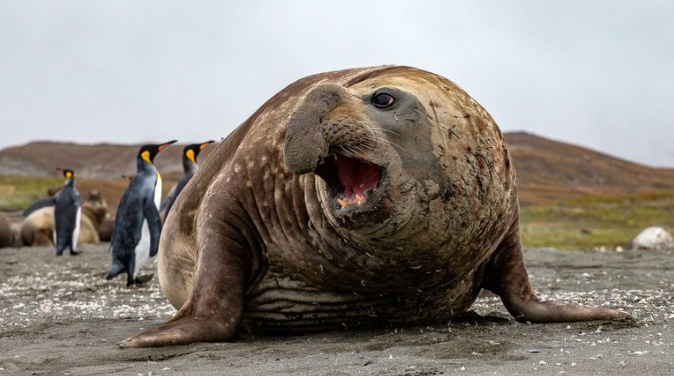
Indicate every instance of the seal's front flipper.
{"type": "Point", "coordinates": [180, 330]}
{"type": "Point", "coordinates": [203, 318]}
{"type": "Point", "coordinates": [214, 308]}
{"type": "Point", "coordinates": [507, 277]}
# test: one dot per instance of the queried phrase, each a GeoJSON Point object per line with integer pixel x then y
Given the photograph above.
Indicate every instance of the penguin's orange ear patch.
{"type": "Point", "coordinates": [190, 155]}
{"type": "Point", "coordinates": [146, 156]}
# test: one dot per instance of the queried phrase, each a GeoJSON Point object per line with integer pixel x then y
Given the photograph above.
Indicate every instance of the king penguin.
{"type": "Point", "coordinates": [190, 166]}
{"type": "Point", "coordinates": [137, 225]}
{"type": "Point", "coordinates": [67, 213]}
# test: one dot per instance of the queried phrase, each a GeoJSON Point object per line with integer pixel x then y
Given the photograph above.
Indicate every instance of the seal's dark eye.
{"type": "Point", "coordinates": [383, 100]}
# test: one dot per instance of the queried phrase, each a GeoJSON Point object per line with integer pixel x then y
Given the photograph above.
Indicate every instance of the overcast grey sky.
{"type": "Point", "coordinates": [596, 73]}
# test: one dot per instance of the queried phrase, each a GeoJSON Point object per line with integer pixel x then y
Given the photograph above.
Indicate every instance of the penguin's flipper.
{"type": "Point", "coordinates": [169, 198]}
{"type": "Point", "coordinates": [116, 268]}
{"type": "Point", "coordinates": [154, 225]}
{"type": "Point", "coordinates": [51, 201]}
{"type": "Point", "coordinates": [77, 199]}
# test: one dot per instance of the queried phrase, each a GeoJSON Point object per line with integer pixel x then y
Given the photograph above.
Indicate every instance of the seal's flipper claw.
{"type": "Point", "coordinates": [181, 331]}
{"type": "Point", "coordinates": [508, 278]}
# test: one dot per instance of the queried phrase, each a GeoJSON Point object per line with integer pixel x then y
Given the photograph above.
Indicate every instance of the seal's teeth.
{"type": "Point", "coordinates": [360, 199]}
{"type": "Point", "coordinates": [342, 203]}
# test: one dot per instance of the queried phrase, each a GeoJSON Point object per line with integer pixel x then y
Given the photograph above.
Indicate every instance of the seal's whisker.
{"type": "Point", "coordinates": [390, 131]}
{"type": "Point", "coordinates": [381, 138]}
{"type": "Point", "coordinates": [361, 150]}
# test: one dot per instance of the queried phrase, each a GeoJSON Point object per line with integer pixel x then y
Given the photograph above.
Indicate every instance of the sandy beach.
{"type": "Point", "coordinates": [59, 316]}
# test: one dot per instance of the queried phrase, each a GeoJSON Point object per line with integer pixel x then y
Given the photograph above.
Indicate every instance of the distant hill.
{"type": "Point", "coordinates": [547, 170]}
{"type": "Point", "coordinates": [98, 166]}
{"type": "Point", "coordinates": [97, 161]}
{"type": "Point", "coordinates": [550, 170]}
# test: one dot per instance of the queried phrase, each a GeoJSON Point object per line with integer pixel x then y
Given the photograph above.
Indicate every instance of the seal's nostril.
{"type": "Point", "coordinates": [305, 141]}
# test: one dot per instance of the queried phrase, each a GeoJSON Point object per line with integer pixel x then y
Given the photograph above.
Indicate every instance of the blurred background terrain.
{"type": "Point", "coordinates": [572, 197]}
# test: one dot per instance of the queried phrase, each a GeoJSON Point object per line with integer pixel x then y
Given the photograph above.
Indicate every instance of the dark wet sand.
{"type": "Point", "coordinates": [58, 316]}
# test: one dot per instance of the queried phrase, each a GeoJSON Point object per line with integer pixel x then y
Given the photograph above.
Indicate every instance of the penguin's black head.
{"type": "Point", "coordinates": [148, 152]}
{"type": "Point", "coordinates": [192, 151]}
{"type": "Point", "coordinates": [67, 173]}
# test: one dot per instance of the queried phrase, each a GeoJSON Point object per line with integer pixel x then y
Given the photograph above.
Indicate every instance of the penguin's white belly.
{"type": "Point", "coordinates": [76, 231]}
{"type": "Point", "coordinates": [157, 192]}
{"type": "Point", "coordinates": [142, 249]}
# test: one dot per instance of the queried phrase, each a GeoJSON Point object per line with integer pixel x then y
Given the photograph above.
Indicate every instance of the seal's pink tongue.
{"type": "Point", "coordinates": [357, 177]}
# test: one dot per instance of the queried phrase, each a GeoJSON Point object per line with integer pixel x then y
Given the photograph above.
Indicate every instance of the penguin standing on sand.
{"type": "Point", "coordinates": [137, 225]}
{"type": "Point", "coordinates": [190, 153]}
{"type": "Point", "coordinates": [67, 213]}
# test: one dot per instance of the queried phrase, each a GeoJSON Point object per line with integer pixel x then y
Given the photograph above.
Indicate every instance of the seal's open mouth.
{"type": "Point", "coordinates": [350, 181]}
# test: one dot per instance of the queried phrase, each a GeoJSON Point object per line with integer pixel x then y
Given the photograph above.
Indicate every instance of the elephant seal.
{"type": "Point", "coordinates": [96, 208]}
{"type": "Point", "coordinates": [6, 233]}
{"type": "Point", "coordinates": [37, 230]}
{"type": "Point", "coordinates": [360, 197]}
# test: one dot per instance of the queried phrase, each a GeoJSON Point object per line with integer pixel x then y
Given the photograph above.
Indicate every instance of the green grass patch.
{"type": "Point", "coordinates": [18, 192]}
{"type": "Point", "coordinates": [590, 223]}
{"type": "Point", "coordinates": [585, 223]}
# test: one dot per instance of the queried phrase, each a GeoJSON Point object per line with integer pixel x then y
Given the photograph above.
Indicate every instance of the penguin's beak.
{"type": "Point", "coordinates": [205, 144]}
{"type": "Point", "coordinates": [66, 173]}
{"type": "Point", "coordinates": [166, 144]}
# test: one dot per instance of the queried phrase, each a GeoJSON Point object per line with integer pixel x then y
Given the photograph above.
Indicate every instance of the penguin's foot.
{"type": "Point", "coordinates": [75, 253]}
{"type": "Point", "coordinates": [143, 279]}
{"type": "Point", "coordinates": [59, 253]}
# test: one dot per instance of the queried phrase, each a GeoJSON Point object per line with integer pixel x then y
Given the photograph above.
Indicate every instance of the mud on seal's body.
{"type": "Point", "coordinates": [351, 198]}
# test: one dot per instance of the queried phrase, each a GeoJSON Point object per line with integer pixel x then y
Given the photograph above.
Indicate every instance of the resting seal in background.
{"type": "Point", "coordinates": [37, 230]}
{"type": "Point", "coordinates": [352, 198]}
{"type": "Point", "coordinates": [38, 227]}
{"type": "Point", "coordinates": [6, 233]}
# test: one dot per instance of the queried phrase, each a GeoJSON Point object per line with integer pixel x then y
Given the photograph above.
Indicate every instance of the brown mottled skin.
{"type": "Point", "coordinates": [6, 233]}
{"type": "Point", "coordinates": [96, 209]}
{"type": "Point", "coordinates": [259, 239]}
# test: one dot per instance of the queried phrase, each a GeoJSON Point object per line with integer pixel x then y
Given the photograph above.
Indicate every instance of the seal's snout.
{"type": "Point", "coordinates": [305, 144]}
{"type": "Point", "coordinates": [327, 136]}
